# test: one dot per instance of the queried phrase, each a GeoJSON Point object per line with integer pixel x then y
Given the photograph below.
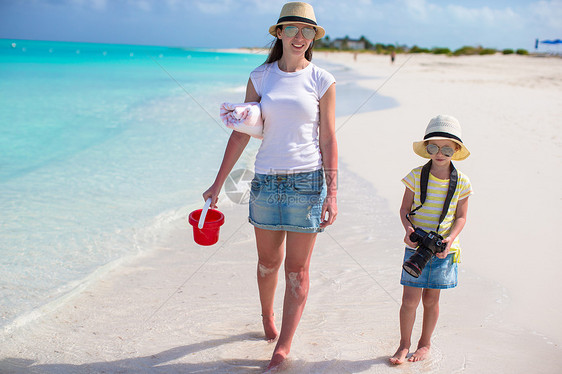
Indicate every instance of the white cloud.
{"type": "Point", "coordinates": [547, 13]}
{"type": "Point", "coordinates": [238, 8]}
{"type": "Point", "coordinates": [144, 5]}
{"type": "Point", "coordinates": [420, 10]}
{"type": "Point", "coordinates": [482, 15]}
{"type": "Point", "coordinates": [452, 23]}
{"type": "Point", "coordinates": [212, 7]}
{"type": "Point", "coordinates": [417, 9]}
{"type": "Point", "coordinates": [99, 5]}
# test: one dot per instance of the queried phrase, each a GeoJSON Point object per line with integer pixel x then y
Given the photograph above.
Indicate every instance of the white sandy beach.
{"type": "Point", "coordinates": [183, 308]}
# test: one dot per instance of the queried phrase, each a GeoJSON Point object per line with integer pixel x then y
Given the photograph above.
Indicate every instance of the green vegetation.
{"type": "Point", "coordinates": [470, 51]}
{"type": "Point", "coordinates": [466, 51]}
{"type": "Point", "coordinates": [441, 51]}
{"type": "Point", "coordinates": [364, 45]}
{"type": "Point", "coordinates": [488, 51]}
{"type": "Point", "coordinates": [416, 49]}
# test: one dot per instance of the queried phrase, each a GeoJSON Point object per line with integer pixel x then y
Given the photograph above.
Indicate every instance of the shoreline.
{"type": "Point", "coordinates": [154, 313]}
{"type": "Point", "coordinates": [147, 233]}
{"type": "Point", "coordinates": [78, 194]}
{"type": "Point", "coordinates": [259, 50]}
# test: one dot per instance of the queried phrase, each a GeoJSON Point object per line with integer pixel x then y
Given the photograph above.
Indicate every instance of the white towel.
{"type": "Point", "coordinates": [244, 117]}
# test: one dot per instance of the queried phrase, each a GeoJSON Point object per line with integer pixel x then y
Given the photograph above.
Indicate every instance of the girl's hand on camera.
{"type": "Point", "coordinates": [444, 254]}
{"type": "Point", "coordinates": [409, 243]}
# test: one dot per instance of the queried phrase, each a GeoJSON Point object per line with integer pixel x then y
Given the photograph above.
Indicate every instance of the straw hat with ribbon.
{"type": "Point", "coordinates": [442, 127]}
{"type": "Point", "coordinates": [298, 12]}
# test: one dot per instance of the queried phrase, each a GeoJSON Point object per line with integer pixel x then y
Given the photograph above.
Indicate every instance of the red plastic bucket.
{"type": "Point", "coordinates": [209, 234]}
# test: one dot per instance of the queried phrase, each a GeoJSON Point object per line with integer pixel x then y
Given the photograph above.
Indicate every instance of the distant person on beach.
{"type": "Point", "coordinates": [392, 56]}
{"type": "Point", "coordinates": [293, 193]}
{"type": "Point", "coordinates": [441, 144]}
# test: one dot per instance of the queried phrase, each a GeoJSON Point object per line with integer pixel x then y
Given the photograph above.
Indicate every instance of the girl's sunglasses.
{"type": "Point", "coordinates": [446, 151]}
{"type": "Point", "coordinates": [292, 31]}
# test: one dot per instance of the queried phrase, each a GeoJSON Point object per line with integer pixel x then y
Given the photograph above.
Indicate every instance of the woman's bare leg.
{"type": "Point", "coordinates": [270, 257]}
{"type": "Point", "coordinates": [297, 262]}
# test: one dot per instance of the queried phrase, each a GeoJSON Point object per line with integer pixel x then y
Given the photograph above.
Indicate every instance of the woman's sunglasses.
{"type": "Point", "coordinates": [292, 31]}
{"type": "Point", "coordinates": [446, 151]}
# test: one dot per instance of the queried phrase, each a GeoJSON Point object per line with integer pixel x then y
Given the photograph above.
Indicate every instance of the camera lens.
{"type": "Point", "coordinates": [415, 264]}
{"type": "Point", "coordinates": [412, 269]}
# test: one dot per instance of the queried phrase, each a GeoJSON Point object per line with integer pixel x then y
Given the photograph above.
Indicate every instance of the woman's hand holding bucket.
{"type": "Point", "coordinates": [206, 223]}
{"type": "Point", "coordinates": [213, 194]}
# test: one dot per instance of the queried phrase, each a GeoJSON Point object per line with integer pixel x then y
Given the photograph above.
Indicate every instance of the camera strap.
{"type": "Point", "coordinates": [424, 180]}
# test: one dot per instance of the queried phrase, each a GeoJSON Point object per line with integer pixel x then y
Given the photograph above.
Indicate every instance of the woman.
{"type": "Point", "coordinates": [293, 195]}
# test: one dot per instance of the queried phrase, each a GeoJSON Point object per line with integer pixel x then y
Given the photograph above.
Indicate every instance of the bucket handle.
{"type": "Point", "coordinates": [204, 213]}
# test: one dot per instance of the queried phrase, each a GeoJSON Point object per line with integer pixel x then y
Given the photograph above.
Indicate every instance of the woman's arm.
{"type": "Point", "coordinates": [236, 145]}
{"type": "Point", "coordinates": [329, 150]}
{"type": "Point", "coordinates": [251, 94]}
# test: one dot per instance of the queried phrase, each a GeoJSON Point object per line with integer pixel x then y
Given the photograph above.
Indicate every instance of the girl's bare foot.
{"type": "Point", "coordinates": [420, 354]}
{"type": "Point", "coordinates": [399, 356]}
{"type": "Point", "coordinates": [269, 327]}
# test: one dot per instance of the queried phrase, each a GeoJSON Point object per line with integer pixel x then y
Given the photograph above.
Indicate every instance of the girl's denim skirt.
{"type": "Point", "coordinates": [437, 274]}
{"type": "Point", "coordinates": [288, 202]}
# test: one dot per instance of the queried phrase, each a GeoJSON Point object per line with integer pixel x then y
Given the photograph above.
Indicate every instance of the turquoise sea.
{"type": "Point", "coordinates": [99, 146]}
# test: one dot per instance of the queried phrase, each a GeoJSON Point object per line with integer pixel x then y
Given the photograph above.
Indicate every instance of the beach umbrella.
{"type": "Point", "coordinates": [554, 45]}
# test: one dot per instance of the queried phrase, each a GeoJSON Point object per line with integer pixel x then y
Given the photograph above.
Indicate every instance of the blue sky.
{"type": "Point", "coordinates": [244, 23]}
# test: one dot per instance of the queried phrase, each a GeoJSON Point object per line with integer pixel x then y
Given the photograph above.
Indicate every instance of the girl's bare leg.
{"type": "Point", "coordinates": [297, 262]}
{"type": "Point", "coordinates": [270, 257]}
{"type": "Point", "coordinates": [430, 300]}
{"type": "Point", "coordinates": [410, 300]}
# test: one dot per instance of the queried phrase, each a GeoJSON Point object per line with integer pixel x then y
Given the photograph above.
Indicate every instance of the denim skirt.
{"type": "Point", "coordinates": [288, 202]}
{"type": "Point", "coordinates": [437, 274]}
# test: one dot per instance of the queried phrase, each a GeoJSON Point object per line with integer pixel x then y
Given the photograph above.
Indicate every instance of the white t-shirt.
{"type": "Point", "coordinates": [290, 110]}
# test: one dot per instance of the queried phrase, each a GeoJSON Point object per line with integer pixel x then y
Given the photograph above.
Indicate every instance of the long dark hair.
{"type": "Point", "coordinates": [276, 50]}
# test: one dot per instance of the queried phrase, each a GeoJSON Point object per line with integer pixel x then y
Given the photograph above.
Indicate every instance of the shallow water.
{"type": "Point", "coordinates": [98, 140]}
{"type": "Point", "coordinates": [101, 146]}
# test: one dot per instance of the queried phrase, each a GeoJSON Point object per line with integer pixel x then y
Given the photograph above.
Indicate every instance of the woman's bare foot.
{"type": "Point", "coordinates": [420, 354]}
{"type": "Point", "coordinates": [276, 361]}
{"type": "Point", "coordinates": [399, 356]}
{"type": "Point", "coordinates": [269, 328]}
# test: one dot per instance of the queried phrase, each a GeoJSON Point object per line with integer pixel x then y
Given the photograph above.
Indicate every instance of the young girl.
{"type": "Point", "coordinates": [293, 194]}
{"type": "Point", "coordinates": [442, 143]}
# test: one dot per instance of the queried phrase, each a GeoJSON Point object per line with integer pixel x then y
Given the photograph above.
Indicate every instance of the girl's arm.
{"type": "Point", "coordinates": [405, 208]}
{"type": "Point", "coordinates": [329, 150]}
{"type": "Point", "coordinates": [458, 225]}
{"type": "Point", "coordinates": [234, 148]}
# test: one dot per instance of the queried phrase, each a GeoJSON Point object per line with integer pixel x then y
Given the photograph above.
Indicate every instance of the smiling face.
{"type": "Point", "coordinates": [297, 44]}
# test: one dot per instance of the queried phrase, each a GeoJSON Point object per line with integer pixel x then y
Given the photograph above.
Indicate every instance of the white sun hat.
{"type": "Point", "coordinates": [442, 127]}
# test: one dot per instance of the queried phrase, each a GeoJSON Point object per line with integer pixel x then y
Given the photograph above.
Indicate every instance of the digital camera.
{"type": "Point", "coordinates": [429, 243]}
